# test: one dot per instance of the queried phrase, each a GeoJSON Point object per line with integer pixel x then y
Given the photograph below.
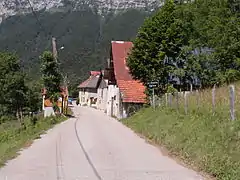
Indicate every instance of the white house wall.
{"type": "Point", "coordinates": [48, 111]}
{"type": "Point", "coordinates": [92, 93]}
{"type": "Point", "coordinates": [102, 99]}
{"type": "Point", "coordinates": [85, 95]}
{"type": "Point", "coordinates": [113, 101]}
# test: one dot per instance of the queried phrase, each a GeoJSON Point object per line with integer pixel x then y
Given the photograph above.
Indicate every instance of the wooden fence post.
{"type": "Point", "coordinates": [166, 99]}
{"type": "Point", "coordinates": [177, 101]}
{"type": "Point", "coordinates": [232, 102]}
{"type": "Point", "coordinates": [170, 100]}
{"type": "Point", "coordinates": [185, 103]}
{"type": "Point", "coordinates": [154, 102]}
{"type": "Point", "coordinates": [214, 99]}
{"type": "Point", "coordinates": [197, 97]}
{"type": "Point", "coordinates": [191, 87]}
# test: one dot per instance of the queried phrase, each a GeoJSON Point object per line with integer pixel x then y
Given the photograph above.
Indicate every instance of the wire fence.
{"type": "Point", "coordinates": [223, 101]}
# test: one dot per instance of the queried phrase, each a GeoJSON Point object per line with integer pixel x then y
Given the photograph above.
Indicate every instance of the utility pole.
{"type": "Point", "coordinates": [65, 83]}
{"type": "Point", "coordinates": [54, 46]}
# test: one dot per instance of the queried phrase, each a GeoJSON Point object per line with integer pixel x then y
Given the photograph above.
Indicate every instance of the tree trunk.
{"type": "Point", "coordinates": [21, 114]}
{"type": "Point", "coordinates": [18, 116]}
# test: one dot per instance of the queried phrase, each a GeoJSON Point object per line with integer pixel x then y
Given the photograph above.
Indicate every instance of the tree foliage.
{"type": "Point", "coordinates": [51, 75]}
{"type": "Point", "coordinates": [159, 42]}
{"type": "Point", "coordinates": [34, 98]}
{"type": "Point", "coordinates": [195, 39]}
{"type": "Point", "coordinates": [13, 89]}
{"type": "Point", "coordinates": [14, 95]}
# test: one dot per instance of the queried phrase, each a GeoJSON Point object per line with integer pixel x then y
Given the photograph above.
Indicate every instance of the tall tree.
{"type": "Point", "coordinates": [158, 46]}
{"type": "Point", "coordinates": [217, 28]}
{"type": "Point", "coordinates": [13, 88]}
{"type": "Point", "coordinates": [50, 74]}
{"type": "Point", "coordinates": [34, 99]}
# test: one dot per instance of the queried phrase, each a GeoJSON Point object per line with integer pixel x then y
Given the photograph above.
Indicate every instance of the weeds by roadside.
{"type": "Point", "coordinates": [210, 143]}
{"type": "Point", "coordinates": [14, 137]}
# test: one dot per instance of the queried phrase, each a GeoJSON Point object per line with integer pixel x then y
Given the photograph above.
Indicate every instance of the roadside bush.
{"type": "Point", "coordinates": [4, 119]}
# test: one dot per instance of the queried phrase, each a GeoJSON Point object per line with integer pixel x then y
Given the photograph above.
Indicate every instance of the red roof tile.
{"type": "Point", "coordinates": [132, 90]}
{"type": "Point", "coordinates": [120, 50]}
{"type": "Point", "coordinates": [95, 73]}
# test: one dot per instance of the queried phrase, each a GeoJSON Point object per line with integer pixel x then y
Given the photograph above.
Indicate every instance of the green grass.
{"type": "Point", "coordinates": [13, 137]}
{"type": "Point", "coordinates": [210, 143]}
{"type": "Point", "coordinates": [69, 112]}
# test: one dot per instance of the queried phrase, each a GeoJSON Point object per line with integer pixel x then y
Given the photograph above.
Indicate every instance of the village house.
{"type": "Point", "coordinates": [88, 90]}
{"type": "Point", "coordinates": [124, 93]}
{"type": "Point", "coordinates": [62, 102]}
{"type": "Point", "coordinates": [113, 90]}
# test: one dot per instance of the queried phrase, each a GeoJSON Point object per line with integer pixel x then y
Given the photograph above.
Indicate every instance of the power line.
{"type": "Point", "coordinates": [47, 33]}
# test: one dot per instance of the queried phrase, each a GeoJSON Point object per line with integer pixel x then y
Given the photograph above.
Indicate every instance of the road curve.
{"type": "Point", "coordinates": [93, 146]}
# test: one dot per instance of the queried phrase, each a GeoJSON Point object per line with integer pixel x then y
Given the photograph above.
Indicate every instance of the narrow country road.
{"type": "Point", "coordinates": [93, 146]}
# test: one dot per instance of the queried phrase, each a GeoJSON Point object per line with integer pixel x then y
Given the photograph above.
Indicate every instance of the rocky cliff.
{"type": "Point", "coordinates": [13, 7]}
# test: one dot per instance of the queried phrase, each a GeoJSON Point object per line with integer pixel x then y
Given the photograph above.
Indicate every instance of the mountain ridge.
{"type": "Point", "coordinates": [16, 7]}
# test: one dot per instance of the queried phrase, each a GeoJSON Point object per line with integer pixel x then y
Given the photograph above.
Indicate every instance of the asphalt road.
{"type": "Point", "coordinates": [93, 146]}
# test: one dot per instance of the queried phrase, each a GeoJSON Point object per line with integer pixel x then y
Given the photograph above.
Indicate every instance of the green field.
{"type": "Point", "coordinates": [13, 137]}
{"type": "Point", "coordinates": [203, 139]}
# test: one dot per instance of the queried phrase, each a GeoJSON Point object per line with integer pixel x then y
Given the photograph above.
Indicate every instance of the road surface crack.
{"type": "Point", "coordinates": [86, 154]}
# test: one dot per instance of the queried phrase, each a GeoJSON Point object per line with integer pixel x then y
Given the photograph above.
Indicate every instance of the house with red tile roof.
{"type": "Point", "coordinates": [88, 89]}
{"type": "Point", "coordinates": [124, 93]}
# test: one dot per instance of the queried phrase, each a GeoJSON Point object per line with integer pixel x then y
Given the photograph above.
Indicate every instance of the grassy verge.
{"type": "Point", "coordinates": [210, 143]}
{"type": "Point", "coordinates": [13, 137]}
{"type": "Point", "coordinates": [69, 112]}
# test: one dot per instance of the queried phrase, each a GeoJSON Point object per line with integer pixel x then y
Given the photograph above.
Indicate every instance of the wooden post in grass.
{"type": "Point", "coordinates": [186, 102]}
{"type": "Point", "coordinates": [154, 103]}
{"type": "Point", "coordinates": [232, 102]}
{"type": "Point", "coordinates": [177, 101]}
{"type": "Point", "coordinates": [166, 99]}
{"type": "Point", "coordinates": [214, 99]}
{"type": "Point", "coordinates": [170, 99]}
{"type": "Point", "coordinates": [197, 99]}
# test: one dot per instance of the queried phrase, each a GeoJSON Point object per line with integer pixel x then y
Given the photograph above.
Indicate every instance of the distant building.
{"type": "Point", "coordinates": [113, 90]}
{"type": "Point", "coordinates": [62, 103]}
{"type": "Point", "coordinates": [88, 90]}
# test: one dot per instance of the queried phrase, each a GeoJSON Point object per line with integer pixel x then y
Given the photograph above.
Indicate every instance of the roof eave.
{"type": "Point", "coordinates": [136, 102]}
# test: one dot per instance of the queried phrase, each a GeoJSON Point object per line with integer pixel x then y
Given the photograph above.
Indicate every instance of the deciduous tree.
{"type": "Point", "coordinates": [50, 74]}
{"type": "Point", "coordinates": [13, 88]}
{"type": "Point", "coordinates": [158, 46]}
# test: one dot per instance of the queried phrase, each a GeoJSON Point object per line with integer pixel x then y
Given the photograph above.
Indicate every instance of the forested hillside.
{"type": "Point", "coordinates": [85, 36]}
